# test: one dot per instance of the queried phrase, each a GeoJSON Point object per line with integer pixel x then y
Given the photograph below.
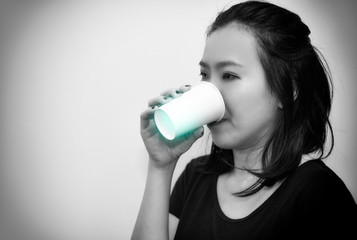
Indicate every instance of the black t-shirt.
{"type": "Point", "coordinates": [312, 203]}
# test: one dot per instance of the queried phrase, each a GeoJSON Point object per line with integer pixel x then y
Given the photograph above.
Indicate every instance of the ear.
{"type": "Point", "coordinates": [295, 95]}
{"type": "Point", "coordinates": [278, 102]}
{"type": "Point", "coordinates": [280, 106]}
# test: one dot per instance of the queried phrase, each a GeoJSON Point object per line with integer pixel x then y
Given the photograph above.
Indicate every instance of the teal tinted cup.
{"type": "Point", "coordinates": [201, 105]}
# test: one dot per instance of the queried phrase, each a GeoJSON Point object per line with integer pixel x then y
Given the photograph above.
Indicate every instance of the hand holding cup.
{"type": "Point", "coordinates": [162, 151]}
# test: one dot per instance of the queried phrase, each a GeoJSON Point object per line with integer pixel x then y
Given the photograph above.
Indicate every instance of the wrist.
{"type": "Point", "coordinates": [162, 167]}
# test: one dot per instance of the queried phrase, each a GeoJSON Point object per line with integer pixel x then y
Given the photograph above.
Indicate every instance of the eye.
{"type": "Point", "coordinates": [230, 76]}
{"type": "Point", "coordinates": [203, 75]}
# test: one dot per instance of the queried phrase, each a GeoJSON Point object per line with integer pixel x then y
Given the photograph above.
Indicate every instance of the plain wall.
{"type": "Point", "coordinates": [75, 76]}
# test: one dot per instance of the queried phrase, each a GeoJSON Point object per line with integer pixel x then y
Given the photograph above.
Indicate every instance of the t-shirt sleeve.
{"type": "Point", "coordinates": [326, 208]}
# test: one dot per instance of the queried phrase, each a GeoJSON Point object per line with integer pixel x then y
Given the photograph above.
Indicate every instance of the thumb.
{"type": "Point", "coordinates": [185, 142]}
{"type": "Point", "coordinates": [194, 135]}
{"type": "Point", "coordinates": [198, 133]}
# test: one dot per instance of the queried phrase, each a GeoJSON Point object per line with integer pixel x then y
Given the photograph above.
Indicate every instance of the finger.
{"type": "Point", "coordinates": [191, 137]}
{"type": "Point", "coordinates": [167, 95]}
{"type": "Point", "coordinates": [196, 134]}
{"type": "Point", "coordinates": [150, 128]}
{"type": "Point", "coordinates": [146, 116]}
{"type": "Point", "coordinates": [158, 101]}
{"type": "Point", "coordinates": [185, 88]}
{"type": "Point", "coordinates": [171, 93]}
{"type": "Point", "coordinates": [147, 113]}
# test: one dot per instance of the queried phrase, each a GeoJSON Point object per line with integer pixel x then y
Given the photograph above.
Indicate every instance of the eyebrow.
{"type": "Point", "coordinates": [221, 64]}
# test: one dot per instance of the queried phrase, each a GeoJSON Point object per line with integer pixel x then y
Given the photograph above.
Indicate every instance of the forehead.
{"type": "Point", "coordinates": [231, 43]}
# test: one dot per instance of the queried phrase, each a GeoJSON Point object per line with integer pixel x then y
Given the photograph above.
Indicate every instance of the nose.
{"type": "Point", "coordinates": [216, 83]}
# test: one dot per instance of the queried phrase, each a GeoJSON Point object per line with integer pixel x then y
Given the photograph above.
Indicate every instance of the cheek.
{"type": "Point", "coordinates": [256, 113]}
{"type": "Point", "coordinates": [241, 104]}
{"type": "Point", "coordinates": [245, 131]}
{"type": "Point", "coordinates": [252, 115]}
{"type": "Point", "coordinates": [250, 100]}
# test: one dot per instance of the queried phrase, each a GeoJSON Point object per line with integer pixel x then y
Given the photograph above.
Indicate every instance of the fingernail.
{"type": "Point", "coordinates": [167, 98]}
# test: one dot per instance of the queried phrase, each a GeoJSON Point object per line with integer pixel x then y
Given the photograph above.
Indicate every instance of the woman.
{"type": "Point", "coordinates": [260, 180]}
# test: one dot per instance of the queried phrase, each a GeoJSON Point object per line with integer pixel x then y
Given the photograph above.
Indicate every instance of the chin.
{"type": "Point", "coordinates": [224, 142]}
{"type": "Point", "coordinates": [228, 140]}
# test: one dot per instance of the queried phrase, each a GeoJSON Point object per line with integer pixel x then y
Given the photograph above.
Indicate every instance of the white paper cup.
{"type": "Point", "coordinates": [200, 105]}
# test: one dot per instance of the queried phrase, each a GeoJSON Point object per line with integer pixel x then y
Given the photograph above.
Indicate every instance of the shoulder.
{"type": "Point", "coordinates": [321, 200]}
{"type": "Point", "coordinates": [191, 187]}
{"type": "Point", "coordinates": [314, 180]}
{"type": "Point", "coordinates": [315, 173]}
{"type": "Point", "coordinates": [193, 171]}
{"type": "Point", "coordinates": [196, 164]}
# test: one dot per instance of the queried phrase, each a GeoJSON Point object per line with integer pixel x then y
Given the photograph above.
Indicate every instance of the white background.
{"type": "Point", "coordinates": [75, 76]}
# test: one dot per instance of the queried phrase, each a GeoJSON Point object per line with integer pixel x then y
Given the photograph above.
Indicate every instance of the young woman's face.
{"type": "Point", "coordinates": [230, 61]}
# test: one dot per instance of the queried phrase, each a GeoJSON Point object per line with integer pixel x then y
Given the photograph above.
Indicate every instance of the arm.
{"type": "Point", "coordinates": [153, 218]}
{"type": "Point", "coordinates": [173, 223]}
{"type": "Point", "coordinates": [152, 221]}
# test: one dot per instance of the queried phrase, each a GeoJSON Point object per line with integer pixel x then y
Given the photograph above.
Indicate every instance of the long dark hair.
{"type": "Point", "coordinates": [298, 76]}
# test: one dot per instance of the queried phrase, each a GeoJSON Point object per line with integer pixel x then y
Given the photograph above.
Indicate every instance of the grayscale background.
{"type": "Point", "coordinates": [74, 78]}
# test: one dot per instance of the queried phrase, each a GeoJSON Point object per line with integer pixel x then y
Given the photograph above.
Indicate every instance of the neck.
{"type": "Point", "coordinates": [247, 158]}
